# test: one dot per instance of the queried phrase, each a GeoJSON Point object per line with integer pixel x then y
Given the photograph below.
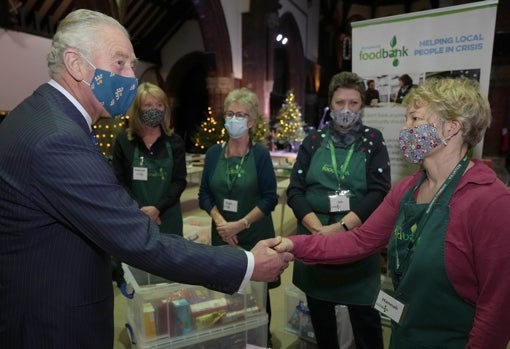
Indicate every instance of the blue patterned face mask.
{"type": "Point", "coordinates": [114, 92]}
{"type": "Point", "coordinates": [417, 142]}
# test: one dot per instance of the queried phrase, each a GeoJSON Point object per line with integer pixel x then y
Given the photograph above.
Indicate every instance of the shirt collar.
{"type": "Point", "coordinates": [73, 100]}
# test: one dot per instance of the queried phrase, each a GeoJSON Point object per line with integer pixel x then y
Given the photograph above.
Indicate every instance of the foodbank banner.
{"type": "Point", "coordinates": [451, 41]}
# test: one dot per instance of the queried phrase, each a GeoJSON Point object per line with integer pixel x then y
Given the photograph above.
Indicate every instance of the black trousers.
{"type": "Point", "coordinates": [365, 322]}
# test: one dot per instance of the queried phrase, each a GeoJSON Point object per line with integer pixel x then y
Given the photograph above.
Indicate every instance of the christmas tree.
{"type": "Point", "coordinates": [211, 132]}
{"type": "Point", "coordinates": [262, 133]}
{"type": "Point", "coordinates": [289, 127]}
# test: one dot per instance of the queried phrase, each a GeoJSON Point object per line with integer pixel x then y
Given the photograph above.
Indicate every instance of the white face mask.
{"type": "Point", "coordinates": [236, 128]}
{"type": "Point", "coordinates": [344, 118]}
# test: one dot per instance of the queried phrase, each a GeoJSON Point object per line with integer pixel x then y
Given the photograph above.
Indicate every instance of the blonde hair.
{"type": "Point", "coordinates": [247, 98]}
{"type": "Point", "coordinates": [82, 30]}
{"type": "Point", "coordinates": [454, 99]}
{"type": "Point", "coordinates": [135, 124]}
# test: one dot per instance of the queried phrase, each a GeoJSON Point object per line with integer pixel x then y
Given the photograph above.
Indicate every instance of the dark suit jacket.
{"type": "Point", "coordinates": [62, 214]}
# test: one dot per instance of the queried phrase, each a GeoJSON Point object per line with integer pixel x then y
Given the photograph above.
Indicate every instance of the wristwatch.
{"type": "Point", "coordinates": [246, 223]}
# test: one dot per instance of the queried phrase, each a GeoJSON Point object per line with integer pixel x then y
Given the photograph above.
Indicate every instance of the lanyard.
{"type": "Point", "coordinates": [343, 168]}
{"type": "Point", "coordinates": [237, 173]}
{"type": "Point", "coordinates": [452, 178]}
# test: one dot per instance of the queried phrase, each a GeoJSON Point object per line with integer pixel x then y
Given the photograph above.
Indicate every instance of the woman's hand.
{"type": "Point", "coordinates": [285, 245]}
{"type": "Point", "coordinates": [229, 230]}
{"type": "Point", "coordinates": [312, 223]}
{"type": "Point", "coordinates": [331, 229]}
{"type": "Point", "coordinates": [152, 212]}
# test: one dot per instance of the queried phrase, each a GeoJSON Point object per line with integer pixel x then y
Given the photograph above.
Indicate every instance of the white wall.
{"type": "Point", "coordinates": [23, 66]}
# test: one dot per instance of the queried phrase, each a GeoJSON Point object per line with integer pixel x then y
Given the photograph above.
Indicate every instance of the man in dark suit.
{"type": "Point", "coordinates": [63, 213]}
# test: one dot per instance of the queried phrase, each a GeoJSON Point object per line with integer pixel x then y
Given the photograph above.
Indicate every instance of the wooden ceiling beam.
{"type": "Point", "coordinates": [59, 13]}
{"type": "Point", "coordinates": [40, 14]}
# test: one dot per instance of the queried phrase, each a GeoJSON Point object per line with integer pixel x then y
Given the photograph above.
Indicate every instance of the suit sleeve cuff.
{"type": "Point", "coordinates": [249, 271]}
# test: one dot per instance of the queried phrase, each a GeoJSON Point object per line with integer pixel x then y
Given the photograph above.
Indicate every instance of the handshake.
{"type": "Point", "coordinates": [272, 257]}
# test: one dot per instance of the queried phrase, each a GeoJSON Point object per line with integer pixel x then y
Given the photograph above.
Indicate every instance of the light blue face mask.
{"type": "Point", "coordinates": [236, 127]}
{"type": "Point", "coordinates": [115, 92]}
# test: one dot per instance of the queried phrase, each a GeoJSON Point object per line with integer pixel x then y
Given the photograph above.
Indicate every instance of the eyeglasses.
{"type": "Point", "coordinates": [237, 115]}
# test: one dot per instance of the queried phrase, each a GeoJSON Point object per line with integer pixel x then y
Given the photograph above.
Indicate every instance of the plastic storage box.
{"type": "Point", "coordinates": [297, 314]}
{"type": "Point", "coordinates": [197, 229]}
{"type": "Point", "coordinates": [163, 314]}
{"type": "Point", "coordinates": [300, 324]}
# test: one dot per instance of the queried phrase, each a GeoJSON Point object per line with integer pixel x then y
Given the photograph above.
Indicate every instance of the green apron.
{"type": "Point", "coordinates": [235, 178]}
{"type": "Point", "coordinates": [148, 193]}
{"type": "Point", "coordinates": [436, 317]}
{"type": "Point", "coordinates": [355, 283]}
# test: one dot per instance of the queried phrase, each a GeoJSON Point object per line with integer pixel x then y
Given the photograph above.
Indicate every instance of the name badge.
{"type": "Point", "coordinates": [390, 306]}
{"type": "Point", "coordinates": [338, 202]}
{"type": "Point", "coordinates": [230, 205]}
{"type": "Point", "coordinates": [140, 173]}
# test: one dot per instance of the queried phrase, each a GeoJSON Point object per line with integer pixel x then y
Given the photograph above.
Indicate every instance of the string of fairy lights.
{"type": "Point", "coordinates": [106, 129]}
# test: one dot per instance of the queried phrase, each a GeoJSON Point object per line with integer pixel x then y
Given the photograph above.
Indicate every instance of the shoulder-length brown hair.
{"type": "Point", "coordinates": [144, 89]}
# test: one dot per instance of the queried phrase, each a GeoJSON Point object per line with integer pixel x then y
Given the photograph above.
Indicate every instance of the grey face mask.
{"type": "Point", "coordinates": [344, 118]}
{"type": "Point", "coordinates": [152, 117]}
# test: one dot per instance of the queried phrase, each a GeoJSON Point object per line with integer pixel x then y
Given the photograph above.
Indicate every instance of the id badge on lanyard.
{"type": "Point", "coordinates": [140, 173]}
{"type": "Point", "coordinates": [388, 305]}
{"type": "Point", "coordinates": [339, 201]}
{"type": "Point", "coordinates": [229, 205]}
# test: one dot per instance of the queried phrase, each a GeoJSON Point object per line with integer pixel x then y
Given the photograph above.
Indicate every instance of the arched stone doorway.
{"type": "Point", "coordinates": [289, 68]}
{"type": "Point", "coordinates": [186, 86]}
{"type": "Point", "coordinates": [201, 79]}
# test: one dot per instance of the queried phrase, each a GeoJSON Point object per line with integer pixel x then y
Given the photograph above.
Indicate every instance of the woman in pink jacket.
{"type": "Point", "coordinates": [445, 228]}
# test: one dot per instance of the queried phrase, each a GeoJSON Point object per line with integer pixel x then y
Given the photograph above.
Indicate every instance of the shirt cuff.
{"type": "Point", "coordinates": [249, 271]}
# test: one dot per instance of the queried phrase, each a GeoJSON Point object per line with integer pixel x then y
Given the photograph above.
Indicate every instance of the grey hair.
{"type": "Point", "coordinates": [246, 97]}
{"type": "Point", "coordinates": [80, 30]}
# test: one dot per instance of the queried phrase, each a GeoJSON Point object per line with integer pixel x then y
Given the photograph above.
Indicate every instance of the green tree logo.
{"type": "Point", "coordinates": [393, 43]}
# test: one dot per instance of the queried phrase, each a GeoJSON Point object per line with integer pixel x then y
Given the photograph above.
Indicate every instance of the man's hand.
{"type": "Point", "coordinates": [269, 264]}
{"type": "Point", "coordinates": [286, 245]}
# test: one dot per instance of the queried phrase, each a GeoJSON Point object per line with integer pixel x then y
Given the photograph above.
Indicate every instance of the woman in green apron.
{"type": "Point", "coordinates": [149, 160]}
{"type": "Point", "coordinates": [446, 228]}
{"type": "Point", "coordinates": [238, 186]}
{"type": "Point", "coordinates": [340, 176]}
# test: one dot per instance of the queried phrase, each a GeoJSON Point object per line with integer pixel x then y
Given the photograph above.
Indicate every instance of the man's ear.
{"type": "Point", "coordinates": [74, 64]}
